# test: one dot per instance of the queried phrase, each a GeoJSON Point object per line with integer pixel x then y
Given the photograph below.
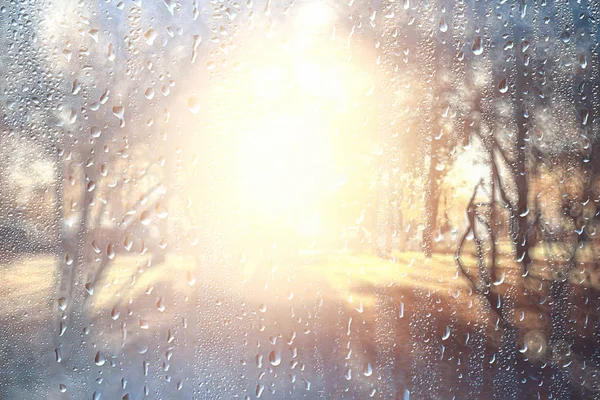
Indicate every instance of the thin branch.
{"type": "Point", "coordinates": [128, 219]}
{"type": "Point", "coordinates": [496, 145]}
{"type": "Point", "coordinates": [486, 294]}
{"type": "Point", "coordinates": [503, 194]}
{"type": "Point", "coordinates": [471, 227]}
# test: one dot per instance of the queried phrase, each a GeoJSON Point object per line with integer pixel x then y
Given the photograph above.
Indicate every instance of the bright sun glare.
{"type": "Point", "coordinates": [284, 161]}
{"type": "Point", "coordinates": [289, 106]}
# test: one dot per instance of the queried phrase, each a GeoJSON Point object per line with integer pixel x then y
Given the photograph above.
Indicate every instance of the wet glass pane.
{"type": "Point", "coordinates": [286, 199]}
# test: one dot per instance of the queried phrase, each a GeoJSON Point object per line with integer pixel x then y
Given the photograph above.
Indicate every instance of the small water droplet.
{"type": "Point", "coordinates": [160, 304]}
{"type": "Point", "coordinates": [194, 104]}
{"type": "Point", "coordinates": [58, 354]}
{"type": "Point", "coordinates": [367, 369]}
{"type": "Point", "coordinates": [191, 279]}
{"type": "Point", "coordinates": [127, 243]}
{"type": "Point", "coordinates": [443, 25]}
{"type": "Point", "coordinates": [111, 53]}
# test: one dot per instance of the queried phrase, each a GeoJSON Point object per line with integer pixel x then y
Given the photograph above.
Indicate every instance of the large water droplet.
{"type": "Point", "coordinates": [110, 251]}
{"type": "Point", "coordinates": [477, 46]}
{"type": "Point", "coordinates": [145, 218]}
{"type": "Point", "coordinates": [275, 357]}
{"type": "Point", "coordinates": [161, 210]}
{"type": "Point", "coordinates": [99, 360]}
{"type": "Point", "coordinates": [150, 36]}
{"type": "Point", "coordinates": [503, 86]}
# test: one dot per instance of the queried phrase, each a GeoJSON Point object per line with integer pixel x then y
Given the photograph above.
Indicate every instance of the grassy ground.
{"type": "Point", "coordinates": [322, 326]}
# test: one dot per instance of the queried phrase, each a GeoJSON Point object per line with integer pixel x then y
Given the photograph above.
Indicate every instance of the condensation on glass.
{"type": "Point", "coordinates": [285, 199]}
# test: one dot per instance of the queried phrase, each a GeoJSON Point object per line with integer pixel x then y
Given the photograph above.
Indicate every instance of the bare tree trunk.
{"type": "Point", "coordinates": [493, 237]}
{"type": "Point", "coordinates": [520, 173]}
{"type": "Point", "coordinates": [383, 232]}
{"type": "Point", "coordinates": [521, 180]}
{"type": "Point", "coordinates": [432, 197]}
{"type": "Point", "coordinates": [60, 240]}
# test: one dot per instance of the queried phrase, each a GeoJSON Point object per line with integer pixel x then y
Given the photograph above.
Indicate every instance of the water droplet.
{"type": "Point", "coordinates": [161, 210]}
{"type": "Point", "coordinates": [62, 327]}
{"type": "Point", "coordinates": [145, 218]}
{"type": "Point", "coordinates": [76, 87]}
{"type": "Point", "coordinates": [446, 334]}
{"type": "Point", "coordinates": [127, 243]}
{"type": "Point", "coordinates": [149, 93]}
{"type": "Point", "coordinates": [477, 46]}
{"type": "Point", "coordinates": [160, 304]}
{"type": "Point", "coordinates": [443, 25]}
{"type": "Point", "coordinates": [195, 44]}
{"type": "Point", "coordinates": [367, 369]}
{"type": "Point", "coordinates": [150, 36]}
{"type": "Point", "coordinates": [99, 360]}
{"type": "Point", "coordinates": [119, 112]}
{"type": "Point", "coordinates": [111, 53]}
{"type": "Point", "coordinates": [584, 115]}
{"type": "Point", "coordinates": [110, 251]}
{"type": "Point", "coordinates": [194, 104]}
{"type": "Point", "coordinates": [58, 354]}
{"type": "Point", "coordinates": [503, 86]}
{"type": "Point", "coordinates": [191, 279]}
{"type": "Point", "coordinates": [95, 132]}
{"type": "Point", "coordinates": [275, 358]}
{"type": "Point", "coordinates": [259, 390]}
